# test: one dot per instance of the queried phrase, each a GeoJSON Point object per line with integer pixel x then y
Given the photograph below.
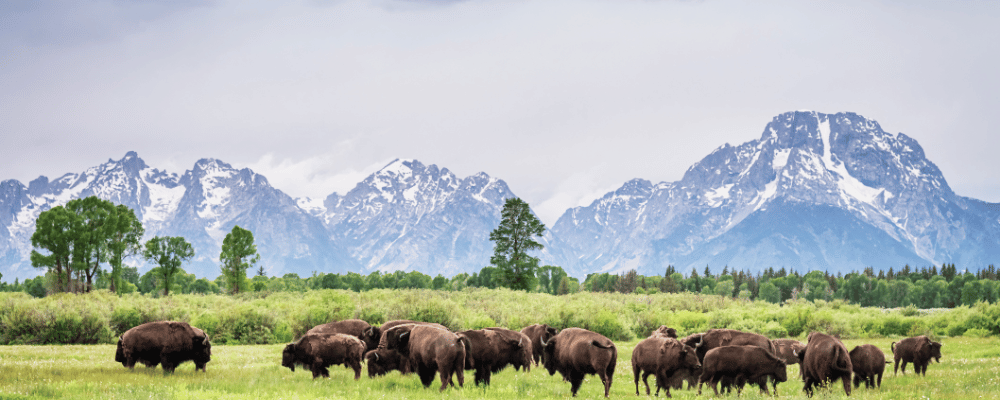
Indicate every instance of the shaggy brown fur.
{"type": "Point", "coordinates": [576, 352]}
{"type": "Point", "coordinates": [537, 333]}
{"type": "Point", "coordinates": [520, 355]}
{"type": "Point", "coordinates": [318, 351]}
{"type": "Point", "coordinates": [493, 349]}
{"type": "Point", "coordinates": [382, 360]}
{"type": "Point", "coordinates": [665, 331]}
{"type": "Point", "coordinates": [353, 327]}
{"type": "Point", "coordinates": [715, 338]}
{"type": "Point", "coordinates": [868, 362]}
{"type": "Point", "coordinates": [663, 357]}
{"type": "Point", "coordinates": [741, 364]}
{"type": "Point", "coordinates": [429, 349]}
{"type": "Point", "coordinates": [788, 349]}
{"type": "Point", "coordinates": [164, 342]}
{"type": "Point", "coordinates": [825, 360]}
{"type": "Point", "coordinates": [917, 350]}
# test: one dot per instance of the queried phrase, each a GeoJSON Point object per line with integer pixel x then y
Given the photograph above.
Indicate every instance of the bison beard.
{"type": "Point", "coordinates": [741, 364]}
{"type": "Point", "coordinates": [317, 352]}
{"type": "Point", "coordinates": [664, 357]}
{"type": "Point", "coordinates": [536, 333]}
{"type": "Point", "coordinates": [164, 342]}
{"type": "Point", "coordinates": [429, 350]}
{"type": "Point", "coordinates": [868, 362]}
{"type": "Point", "coordinates": [917, 350]}
{"type": "Point", "coordinates": [576, 352]}
{"type": "Point", "coordinates": [825, 360]}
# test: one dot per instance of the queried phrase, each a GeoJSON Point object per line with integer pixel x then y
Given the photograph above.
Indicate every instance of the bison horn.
{"type": "Point", "coordinates": [544, 342]}
{"type": "Point", "coordinates": [795, 353]}
{"type": "Point", "coordinates": [376, 357]}
{"type": "Point", "coordinates": [205, 342]}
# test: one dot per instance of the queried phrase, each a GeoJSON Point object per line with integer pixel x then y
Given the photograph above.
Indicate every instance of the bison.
{"type": "Point", "coordinates": [917, 350]}
{"type": "Point", "coordinates": [715, 338]}
{"type": "Point", "coordinates": [354, 327]}
{"type": "Point", "coordinates": [825, 360]}
{"type": "Point", "coordinates": [318, 351]}
{"type": "Point", "coordinates": [868, 362]}
{"type": "Point", "coordinates": [164, 342]}
{"type": "Point", "coordinates": [741, 364]}
{"type": "Point", "coordinates": [664, 357]}
{"type": "Point", "coordinates": [536, 333]}
{"type": "Point", "coordinates": [429, 349]}
{"type": "Point", "coordinates": [576, 352]}
{"type": "Point", "coordinates": [491, 350]}
{"type": "Point", "coordinates": [690, 375]}
{"type": "Point", "coordinates": [788, 349]}
{"type": "Point", "coordinates": [383, 360]}
{"type": "Point", "coordinates": [665, 331]}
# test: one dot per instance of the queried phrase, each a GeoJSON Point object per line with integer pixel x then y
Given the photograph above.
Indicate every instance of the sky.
{"type": "Point", "coordinates": [563, 100]}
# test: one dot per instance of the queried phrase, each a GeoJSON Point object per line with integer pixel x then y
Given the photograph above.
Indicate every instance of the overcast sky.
{"type": "Point", "coordinates": [564, 100]}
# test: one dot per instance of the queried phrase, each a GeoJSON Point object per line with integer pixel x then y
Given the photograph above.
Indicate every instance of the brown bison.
{"type": "Point", "coordinates": [825, 360]}
{"type": "Point", "coordinates": [576, 352]}
{"type": "Point", "coordinates": [665, 331]}
{"type": "Point", "coordinates": [715, 338]}
{"type": "Point", "coordinates": [691, 375]}
{"type": "Point", "coordinates": [741, 364]}
{"type": "Point", "coordinates": [382, 360]}
{"type": "Point", "coordinates": [164, 342]}
{"type": "Point", "coordinates": [429, 349]}
{"type": "Point", "coordinates": [491, 350]}
{"type": "Point", "coordinates": [536, 333]}
{"type": "Point", "coordinates": [868, 362]}
{"type": "Point", "coordinates": [354, 327]}
{"type": "Point", "coordinates": [318, 351]}
{"type": "Point", "coordinates": [664, 357]}
{"type": "Point", "coordinates": [917, 350]}
{"type": "Point", "coordinates": [788, 349]}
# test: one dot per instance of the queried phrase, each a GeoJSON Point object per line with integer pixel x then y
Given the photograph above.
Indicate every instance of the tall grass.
{"type": "Point", "coordinates": [260, 318]}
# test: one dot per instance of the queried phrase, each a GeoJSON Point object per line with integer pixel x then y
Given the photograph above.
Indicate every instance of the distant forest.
{"type": "Point", "coordinates": [926, 287]}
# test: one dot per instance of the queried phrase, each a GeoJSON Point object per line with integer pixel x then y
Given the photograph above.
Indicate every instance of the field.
{"type": "Point", "coordinates": [969, 369]}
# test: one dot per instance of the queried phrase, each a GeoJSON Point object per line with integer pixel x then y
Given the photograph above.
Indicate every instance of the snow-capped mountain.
{"type": "Point", "coordinates": [202, 206]}
{"type": "Point", "coordinates": [816, 191]}
{"type": "Point", "coordinates": [416, 217]}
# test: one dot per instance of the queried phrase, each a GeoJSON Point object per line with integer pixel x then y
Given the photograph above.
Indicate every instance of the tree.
{"type": "Point", "coordinates": [239, 253]}
{"type": "Point", "coordinates": [563, 287]}
{"type": "Point", "coordinates": [512, 239]}
{"type": "Point", "coordinates": [54, 232]}
{"type": "Point", "coordinates": [123, 241]}
{"type": "Point", "coordinates": [169, 253]}
{"type": "Point", "coordinates": [769, 292]}
{"type": "Point", "coordinates": [91, 236]}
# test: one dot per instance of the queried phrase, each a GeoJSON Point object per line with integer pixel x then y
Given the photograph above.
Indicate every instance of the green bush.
{"type": "Point", "coordinates": [607, 324]}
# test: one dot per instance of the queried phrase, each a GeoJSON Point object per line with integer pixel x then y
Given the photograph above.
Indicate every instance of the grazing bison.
{"type": "Point", "coordinates": [382, 360]}
{"type": "Point", "coordinates": [318, 351]}
{"type": "Point", "coordinates": [164, 342]}
{"type": "Point", "coordinates": [868, 362]}
{"type": "Point", "coordinates": [715, 338]}
{"type": "Point", "coordinates": [576, 352]}
{"type": "Point", "coordinates": [789, 350]}
{"type": "Point", "coordinates": [825, 360]}
{"type": "Point", "coordinates": [664, 357]}
{"type": "Point", "coordinates": [741, 364]}
{"type": "Point", "coordinates": [354, 327]}
{"type": "Point", "coordinates": [429, 349]}
{"type": "Point", "coordinates": [491, 350]}
{"type": "Point", "coordinates": [536, 333]}
{"type": "Point", "coordinates": [917, 350]}
{"type": "Point", "coordinates": [665, 331]}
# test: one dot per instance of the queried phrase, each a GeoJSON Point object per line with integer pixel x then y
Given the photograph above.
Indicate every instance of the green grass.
{"type": "Point", "coordinates": [969, 369]}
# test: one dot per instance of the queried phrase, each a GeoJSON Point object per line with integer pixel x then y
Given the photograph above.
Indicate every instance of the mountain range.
{"type": "Point", "coordinates": [816, 191]}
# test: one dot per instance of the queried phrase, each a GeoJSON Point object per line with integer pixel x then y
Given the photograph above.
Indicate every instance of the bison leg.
{"type": "Point", "coordinates": [635, 374]}
{"type": "Point", "coordinates": [575, 380]}
{"type": "Point", "coordinates": [645, 380]}
{"type": "Point", "coordinates": [857, 380]}
{"type": "Point", "coordinates": [356, 366]}
{"type": "Point", "coordinates": [426, 375]}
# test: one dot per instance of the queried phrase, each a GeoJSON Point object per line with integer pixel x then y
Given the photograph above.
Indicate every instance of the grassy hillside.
{"type": "Point", "coordinates": [969, 369]}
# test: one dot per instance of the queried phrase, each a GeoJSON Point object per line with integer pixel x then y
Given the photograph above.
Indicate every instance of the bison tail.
{"type": "Point", "coordinates": [893, 347]}
{"type": "Point", "coordinates": [842, 355]}
{"type": "Point", "coordinates": [598, 344]}
{"type": "Point", "coordinates": [465, 343]}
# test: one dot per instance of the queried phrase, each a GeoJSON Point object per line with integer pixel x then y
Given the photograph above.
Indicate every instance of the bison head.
{"type": "Point", "coordinates": [371, 336]}
{"type": "Point", "coordinates": [689, 358]}
{"type": "Point", "coordinates": [381, 361]}
{"type": "Point", "coordinates": [548, 354]}
{"type": "Point", "coordinates": [397, 338]}
{"type": "Point", "coordinates": [120, 353]}
{"type": "Point", "coordinates": [936, 351]}
{"type": "Point", "coordinates": [665, 331]}
{"type": "Point", "coordinates": [202, 349]}
{"type": "Point", "coordinates": [288, 357]}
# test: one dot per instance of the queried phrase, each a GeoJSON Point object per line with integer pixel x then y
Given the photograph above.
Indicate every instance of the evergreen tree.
{"type": "Point", "coordinates": [512, 240]}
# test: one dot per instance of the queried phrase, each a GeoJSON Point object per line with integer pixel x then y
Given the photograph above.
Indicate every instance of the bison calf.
{"type": "Point", "coordinates": [663, 357]}
{"type": "Point", "coordinates": [354, 327]}
{"type": "Point", "coordinates": [868, 362]}
{"type": "Point", "coordinates": [317, 352]}
{"type": "Point", "coordinates": [741, 364]}
{"type": "Point", "coordinates": [825, 360]}
{"type": "Point", "coordinates": [164, 342]}
{"type": "Point", "coordinates": [917, 350]}
{"type": "Point", "coordinates": [576, 352]}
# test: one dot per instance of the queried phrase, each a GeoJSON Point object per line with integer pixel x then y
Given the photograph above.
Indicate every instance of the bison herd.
{"type": "Point", "coordinates": [725, 357]}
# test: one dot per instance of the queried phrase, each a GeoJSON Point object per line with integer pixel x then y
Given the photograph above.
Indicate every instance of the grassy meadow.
{"type": "Point", "coordinates": [968, 370]}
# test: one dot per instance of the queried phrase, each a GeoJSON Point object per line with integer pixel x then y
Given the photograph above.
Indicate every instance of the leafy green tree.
{"type": "Point", "coordinates": [563, 287]}
{"type": "Point", "coordinates": [125, 232]}
{"type": "Point", "coordinates": [512, 240]}
{"type": "Point", "coordinates": [239, 253]}
{"type": "Point", "coordinates": [169, 252]}
{"type": "Point", "coordinates": [204, 286]}
{"type": "Point", "coordinates": [724, 288]}
{"type": "Point", "coordinates": [96, 218]}
{"type": "Point", "coordinates": [440, 282]}
{"type": "Point", "coordinates": [35, 287]}
{"type": "Point", "coordinates": [55, 232]}
{"type": "Point", "coordinates": [769, 292]}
